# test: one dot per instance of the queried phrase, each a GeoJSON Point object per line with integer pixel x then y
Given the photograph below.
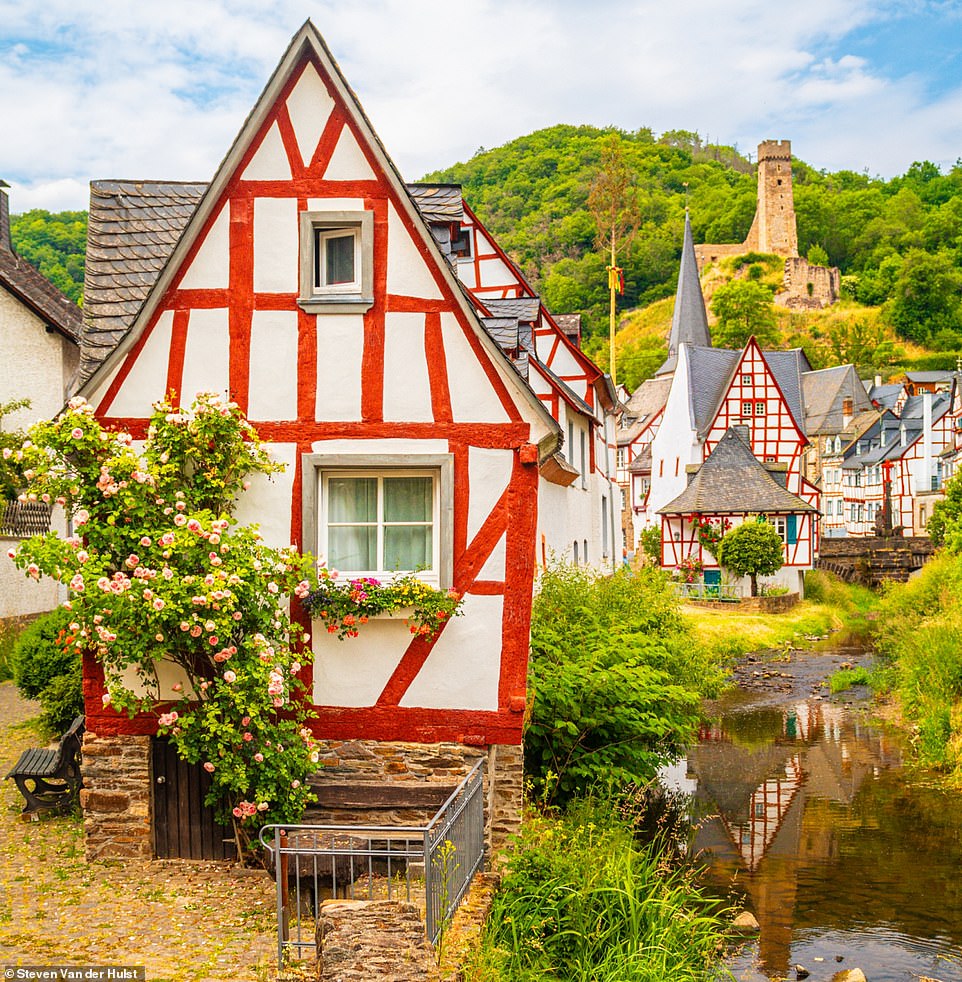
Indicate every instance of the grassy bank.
{"type": "Point", "coordinates": [919, 640]}
{"type": "Point", "coordinates": [582, 900]}
{"type": "Point", "coordinates": [830, 605]}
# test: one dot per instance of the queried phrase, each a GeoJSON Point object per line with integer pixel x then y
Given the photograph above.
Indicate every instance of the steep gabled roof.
{"type": "Point", "coordinates": [132, 229]}
{"type": "Point", "coordinates": [689, 321]}
{"type": "Point", "coordinates": [732, 481]}
{"type": "Point", "coordinates": [307, 44]}
{"type": "Point", "coordinates": [824, 393]}
{"type": "Point", "coordinates": [438, 202]}
{"type": "Point", "coordinates": [788, 367]}
{"type": "Point", "coordinates": [709, 375]}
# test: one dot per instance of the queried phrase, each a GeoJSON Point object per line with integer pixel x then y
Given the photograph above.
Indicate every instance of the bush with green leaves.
{"type": "Point", "coordinates": [46, 667]}
{"type": "Point", "coordinates": [650, 542]}
{"type": "Point", "coordinates": [583, 900]}
{"type": "Point", "coordinates": [616, 680]}
{"type": "Point", "coordinates": [160, 572]}
{"type": "Point", "coordinates": [752, 549]}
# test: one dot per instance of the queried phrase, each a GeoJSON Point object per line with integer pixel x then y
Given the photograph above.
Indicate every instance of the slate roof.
{"type": "Point", "coordinates": [32, 288]}
{"type": "Point", "coordinates": [438, 202]}
{"type": "Point", "coordinates": [570, 325]}
{"type": "Point", "coordinates": [709, 372]}
{"type": "Point", "coordinates": [824, 393]}
{"type": "Point", "coordinates": [504, 330]}
{"type": "Point", "coordinates": [733, 482]}
{"type": "Point", "coordinates": [566, 391]}
{"type": "Point", "coordinates": [689, 321]}
{"type": "Point", "coordinates": [788, 367]}
{"type": "Point", "coordinates": [648, 398]}
{"type": "Point", "coordinates": [885, 396]}
{"type": "Point", "coordinates": [524, 308]}
{"type": "Point", "coordinates": [929, 377]}
{"type": "Point", "coordinates": [132, 229]}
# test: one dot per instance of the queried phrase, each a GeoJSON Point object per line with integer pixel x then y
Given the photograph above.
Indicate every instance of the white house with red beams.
{"type": "Point", "coordinates": [318, 291]}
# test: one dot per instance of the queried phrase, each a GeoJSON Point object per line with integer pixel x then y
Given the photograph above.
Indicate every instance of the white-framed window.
{"type": "Point", "coordinates": [746, 409]}
{"type": "Point", "coordinates": [746, 380]}
{"type": "Point", "coordinates": [779, 524]}
{"type": "Point", "coordinates": [377, 515]}
{"type": "Point", "coordinates": [336, 261]}
{"type": "Point", "coordinates": [621, 457]}
{"type": "Point", "coordinates": [759, 408]}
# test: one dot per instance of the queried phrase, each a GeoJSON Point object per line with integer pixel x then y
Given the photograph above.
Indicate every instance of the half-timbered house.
{"type": "Point", "coordinates": [376, 336]}
{"type": "Point", "coordinates": [39, 350]}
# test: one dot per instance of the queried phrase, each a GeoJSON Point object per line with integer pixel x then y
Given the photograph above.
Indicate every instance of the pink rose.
{"type": "Point", "coordinates": [145, 541]}
{"type": "Point", "coordinates": [180, 519]}
{"type": "Point", "coordinates": [77, 433]}
{"type": "Point", "coordinates": [158, 604]}
{"type": "Point", "coordinates": [259, 758]}
{"type": "Point", "coordinates": [209, 767]}
{"type": "Point", "coordinates": [248, 736]}
{"type": "Point", "coordinates": [230, 676]}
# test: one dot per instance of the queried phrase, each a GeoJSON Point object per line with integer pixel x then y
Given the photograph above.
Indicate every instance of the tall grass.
{"type": "Point", "coordinates": [582, 901]}
{"type": "Point", "coordinates": [919, 639]}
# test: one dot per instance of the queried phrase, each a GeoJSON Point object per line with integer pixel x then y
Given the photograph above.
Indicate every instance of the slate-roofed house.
{"type": "Point", "coordinates": [730, 486]}
{"type": "Point", "coordinates": [39, 351]}
{"type": "Point", "coordinates": [427, 358]}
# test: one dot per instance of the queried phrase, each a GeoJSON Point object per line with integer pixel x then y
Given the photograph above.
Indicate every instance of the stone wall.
{"type": "Point", "coordinates": [400, 764]}
{"type": "Point", "coordinates": [809, 287]}
{"type": "Point", "coordinates": [373, 941]}
{"type": "Point", "coordinates": [116, 797]}
{"type": "Point", "coordinates": [871, 559]}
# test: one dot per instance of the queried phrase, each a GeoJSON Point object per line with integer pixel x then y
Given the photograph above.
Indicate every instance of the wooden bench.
{"type": "Point", "coordinates": [49, 778]}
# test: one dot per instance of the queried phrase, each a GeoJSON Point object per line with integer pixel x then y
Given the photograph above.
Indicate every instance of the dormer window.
{"type": "Point", "coordinates": [336, 260]}
{"type": "Point", "coordinates": [461, 244]}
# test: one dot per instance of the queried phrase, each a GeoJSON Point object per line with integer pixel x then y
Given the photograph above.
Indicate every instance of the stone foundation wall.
{"type": "Point", "coordinates": [397, 763]}
{"type": "Point", "coordinates": [373, 941]}
{"type": "Point", "coordinates": [116, 797]}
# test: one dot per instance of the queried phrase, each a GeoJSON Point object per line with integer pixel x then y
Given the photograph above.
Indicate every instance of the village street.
{"type": "Point", "coordinates": [181, 920]}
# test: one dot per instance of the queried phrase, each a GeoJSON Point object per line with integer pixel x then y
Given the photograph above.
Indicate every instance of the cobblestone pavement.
{"type": "Point", "coordinates": [184, 921]}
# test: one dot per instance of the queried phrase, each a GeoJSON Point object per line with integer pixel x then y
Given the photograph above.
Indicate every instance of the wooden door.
{"type": "Point", "coordinates": [184, 827]}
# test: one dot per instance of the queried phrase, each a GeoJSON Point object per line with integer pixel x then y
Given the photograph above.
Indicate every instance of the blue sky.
{"type": "Point", "coordinates": [117, 89]}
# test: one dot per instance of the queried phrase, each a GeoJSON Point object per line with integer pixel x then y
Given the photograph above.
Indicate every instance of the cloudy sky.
{"type": "Point", "coordinates": [125, 89]}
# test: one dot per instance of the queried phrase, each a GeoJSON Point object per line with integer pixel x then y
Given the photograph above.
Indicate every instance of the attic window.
{"type": "Point", "coordinates": [461, 244]}
{"type": "Point", "coordinates": [746, 380]}
{"type": "Point", "coordinates": [336, 261]}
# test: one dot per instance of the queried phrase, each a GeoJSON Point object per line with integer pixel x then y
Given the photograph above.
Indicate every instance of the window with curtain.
{"type": "Point", "coordinates": [380, 523]}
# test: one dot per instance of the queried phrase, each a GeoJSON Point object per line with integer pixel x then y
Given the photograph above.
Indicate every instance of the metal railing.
{"type": "Point", "coordinates": [707, 591]}
{"type": "Point", "coordinates": [438, 859]}
{"type": "Point", "coordinates": [21, 519]}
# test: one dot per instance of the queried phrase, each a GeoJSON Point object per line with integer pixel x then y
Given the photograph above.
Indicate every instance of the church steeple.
{"type": "Point", "coordinates": [689, 323]}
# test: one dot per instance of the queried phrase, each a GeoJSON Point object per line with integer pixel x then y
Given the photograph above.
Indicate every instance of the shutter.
{"type": "Point", "coordinates": [791, 529]}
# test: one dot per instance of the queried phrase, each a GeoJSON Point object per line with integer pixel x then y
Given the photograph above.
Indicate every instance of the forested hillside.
{"type": "Point", "coordinates": [897, 242]}
{"type": "Point", "coordinates": [55, 244]}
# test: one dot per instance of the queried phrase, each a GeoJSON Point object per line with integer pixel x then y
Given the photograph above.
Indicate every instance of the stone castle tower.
{"type": "Point", "coordinates": [773, 229]}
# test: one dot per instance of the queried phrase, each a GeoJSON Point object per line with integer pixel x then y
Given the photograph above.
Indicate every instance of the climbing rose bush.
{"type": "Point", "coordinates": [159, 573]}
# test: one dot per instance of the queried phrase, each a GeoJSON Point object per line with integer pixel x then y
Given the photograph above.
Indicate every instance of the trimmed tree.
{"type": "Point", "coordinates": [752, 549]}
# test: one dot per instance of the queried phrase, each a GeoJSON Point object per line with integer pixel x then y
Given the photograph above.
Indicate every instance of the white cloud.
{"type": "Point", "coordinates": [109, 89]}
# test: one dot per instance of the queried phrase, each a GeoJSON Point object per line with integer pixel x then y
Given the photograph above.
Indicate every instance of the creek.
{"type": "Point", "coordinates": [810, 815]}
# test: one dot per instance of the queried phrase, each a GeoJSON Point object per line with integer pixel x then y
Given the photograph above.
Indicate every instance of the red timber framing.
{"type": "Point", "coordinates": [798, 554]}
{"type": "Point", "coordinates": [513, 517]}
{"type": "Point", "coordinates": [754, 399]}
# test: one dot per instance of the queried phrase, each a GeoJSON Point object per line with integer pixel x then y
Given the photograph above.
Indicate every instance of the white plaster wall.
{"type": "Point", "coordinates": [463, 669]}
{"type": "Point", "coordinates": [33, 363]}
{"type": "Point", "coordinates": [269, 162]}
{"type": "Point", "coordinates": [273, 365]}
{"type": "Point", "coordinates": [354, 671]}
{"type": "Point", "coordinates": [489, 472]}
{"type": "Point", "coordinates": [275, 245]}
{"type": "Point", "coordinates": [210, 268]}
{"type": "Point", "coordinates": [472, 398]}
{"type": "Point", "coordinates": [407, 272]}
{"type": "Point", "coordinates": [380, 446]}
{"type": "Point", "coordinates": [207, 354]}
{"type": "Point", "coordinates": [335, 204]}
{"type": "Point", "coordinates": [340, 347]}
{"type": "Point", "coordinates": [466, 274]}
{"type": "Point", "coordinates": [147, 379]}
{"type": "Point", "coordinates": [18, 593]}
{"type": "Point", "coordinates": [675, 439]}
{"type": "Point", "coordinates": [348, 162]}
{"type": "Point", "coordinates": [267, 503]}
{"type": "Point", "coordinates": [407, 387]}
{"type": "Point", "coordinates": [495, 566]}
{"type": "Point", "coordinates": [495, 273]}
{"type": "Point", "coordinates": [309, 106]}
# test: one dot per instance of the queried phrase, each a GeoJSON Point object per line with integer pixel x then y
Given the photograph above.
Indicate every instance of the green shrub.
{"type": "Point", "coordinates": [41, 655]}
{"type": "Point", "coordinates": [8, 646]}
{"type": "Point", "coordinates": [63, 701]}
{"type": "Point", "coordinates": [845, 678]}
{"type": "Point", "coordinates": [919, 640]}
{"type": "Point", "coordinates": [650, 542]}
{"type": "Point", "coordinates": [616, 680]}
{"type": "Point", "coordinates": [582, 900]}
{"type": "Point", "coordinates": [47, 668]}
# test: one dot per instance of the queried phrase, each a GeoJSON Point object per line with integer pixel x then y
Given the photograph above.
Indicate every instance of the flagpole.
{"type": "Point", "coordinates": [611, 320]}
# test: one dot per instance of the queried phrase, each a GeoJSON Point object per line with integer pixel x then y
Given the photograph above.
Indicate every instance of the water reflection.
{"type": "Point", "coordinates": [808, 812]}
